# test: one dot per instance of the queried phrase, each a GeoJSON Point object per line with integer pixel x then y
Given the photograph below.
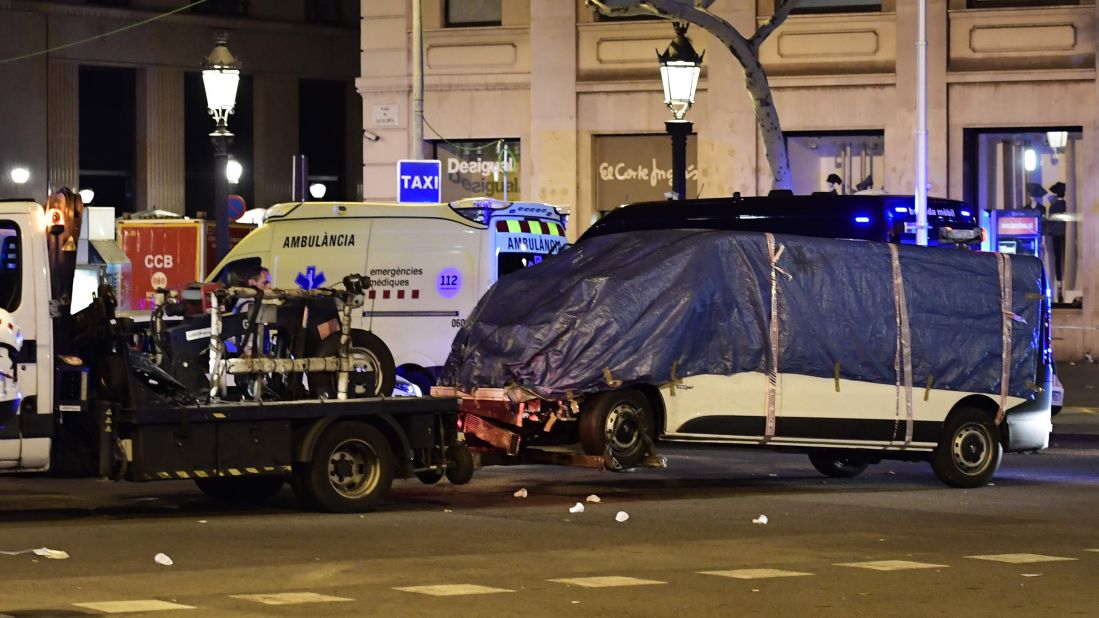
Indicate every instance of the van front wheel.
{"type": "Point", "coordinates": [617, 422]}
{"type": "Point", "coordinates": [969, 451]}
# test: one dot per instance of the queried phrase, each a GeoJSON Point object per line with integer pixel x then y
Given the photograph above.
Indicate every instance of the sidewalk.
{"type": "Point", "coordinates": [1081, 412]}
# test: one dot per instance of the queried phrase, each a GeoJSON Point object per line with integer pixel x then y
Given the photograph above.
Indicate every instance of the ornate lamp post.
{"type": "Point", "coordinates": [220, 77]}
{"type": "Point", "coordinates": [680, 65]}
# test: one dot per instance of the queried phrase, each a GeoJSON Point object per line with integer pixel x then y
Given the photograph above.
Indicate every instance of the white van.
{"type": "Point", "coordinates": [428, 264]}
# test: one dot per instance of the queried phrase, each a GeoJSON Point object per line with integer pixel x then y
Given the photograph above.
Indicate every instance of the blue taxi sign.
{"type": "Point", "coordinates": [419, 182]}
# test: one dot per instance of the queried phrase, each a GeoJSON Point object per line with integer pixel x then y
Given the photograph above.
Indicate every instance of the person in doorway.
{"type": "Point", "coordinates": [835, 184]}
{"type": "Point", "coordinates": [1055, 230]}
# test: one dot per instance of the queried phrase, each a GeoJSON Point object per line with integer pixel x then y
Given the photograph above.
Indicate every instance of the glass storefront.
{"type": "Point", "coordinates": [638, 168]}
{"type": "Point", "coordinates": [479, 168]}
{"type": "Point", "coordinates": [855, 158]}
{"type": "Point", "coordinates": [1024, 182]}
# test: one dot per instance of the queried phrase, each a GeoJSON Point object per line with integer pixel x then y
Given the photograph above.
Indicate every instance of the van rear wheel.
{"type": "Point", "coordinates": [969, 450]}
{"type": "Point", "coordinates": [617, 422]}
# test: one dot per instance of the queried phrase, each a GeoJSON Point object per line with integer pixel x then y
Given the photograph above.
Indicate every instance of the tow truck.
{"type": "Point", "coordinates": [239, 389]}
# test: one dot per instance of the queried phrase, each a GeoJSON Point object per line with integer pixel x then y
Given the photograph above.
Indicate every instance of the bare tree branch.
{"type": "Point", "coordinates": [782, 11]}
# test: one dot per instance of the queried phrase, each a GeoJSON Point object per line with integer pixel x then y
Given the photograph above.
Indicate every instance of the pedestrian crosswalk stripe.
{"type": "Point", "coordinates": [892, 565]}
{"type": "Point", "coordinates": [125, 607]}
{"type": "Point", "coordinates": [608, 581]}
{"type": "Point", "coordinates": [290, 598]}
{"type": "Point", "coordinates": [754, 573]}
{"type": "Point", "coordinates": [452, 590]}
{"type": "Point", "coordinates": [1020, 558]}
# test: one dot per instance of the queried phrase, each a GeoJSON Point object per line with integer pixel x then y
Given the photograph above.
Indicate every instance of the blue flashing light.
{"type": "Point", "coordinates": [900, 209]}
{"type": "Point", "coordinates": [862, 219]}
{"type": "Point", "coordinates": [966, 213]}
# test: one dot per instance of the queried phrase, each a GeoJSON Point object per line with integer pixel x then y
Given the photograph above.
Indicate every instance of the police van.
{"type": "Point", "coordinates": [428, 264]}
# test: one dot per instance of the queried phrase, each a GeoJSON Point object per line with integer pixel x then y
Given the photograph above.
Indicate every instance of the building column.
{"type": "Point", "coordinates": [63, 126]}
{"type": "Point", "coordinates": [275, 138]}
{"type": "Point", "coordinates": [730, 148]}
{"type": "Point", "coordinates": [900, 136]}
{"type": "Point", "coordinates": [160, 150]}
{"type": "Point", "coordinates": [550, 158]}
{"type": "Point", "coordinates": [386, 87]}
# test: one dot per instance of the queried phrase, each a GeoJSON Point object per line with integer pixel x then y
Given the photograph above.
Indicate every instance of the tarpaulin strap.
{"type": "Point", "coordinates": [1004, 263]}
{"type": "Point", "coordinates": [836, 373]}
{"type": "Point", "coordinates": [772, 377]}
{"type": "Point", "coordinates": [927, 389]}
{"type": "Point", "coordinates": [609, 379]}
{"type": "Point", "coordinates": [902, 360]}
{"type": "Point", "coordinates": [675, 379]}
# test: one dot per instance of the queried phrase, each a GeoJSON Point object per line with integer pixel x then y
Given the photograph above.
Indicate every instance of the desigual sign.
{"type": "Point", "coordinates": [479, 169]}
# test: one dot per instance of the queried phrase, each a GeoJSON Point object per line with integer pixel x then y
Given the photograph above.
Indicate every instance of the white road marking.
{"type": "Point", "coordinates": [609, 581]}
{"type": "Point", "coordinates": [754, 573]}
{"type": "Point", "coordinates": [1020, 558]}
{"type": "Point", "coordinates": [452, 590]}
{"type": "Point", "coordinates": [1095, 550]}
{"type": "Point", "coordinates": [892, 565]}
{"type": "Point", "coordinates": [290, 598]}
{"type": "Point", "coordinates": [124, 607]}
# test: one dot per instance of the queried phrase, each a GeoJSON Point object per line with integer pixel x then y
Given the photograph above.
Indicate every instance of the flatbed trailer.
{"type": "Point", "coordinates": [339, 456]}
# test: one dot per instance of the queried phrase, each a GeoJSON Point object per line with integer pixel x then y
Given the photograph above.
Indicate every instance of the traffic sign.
{"type": "Point", "coordinates": [419, 182]}
{"type": "Point", "coordinates": [236, 207]}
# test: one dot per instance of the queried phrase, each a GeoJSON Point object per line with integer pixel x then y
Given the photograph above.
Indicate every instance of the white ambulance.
{"type": "Point", "coordinates": [428, 264]}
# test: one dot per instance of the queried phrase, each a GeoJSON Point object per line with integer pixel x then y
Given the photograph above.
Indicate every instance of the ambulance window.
{"type": "Point", "coordinates": [237, 273]}
{"type": "Point", "coordinates": [511, 262]}
{"type": "Point", "coordinates": [11, 266]}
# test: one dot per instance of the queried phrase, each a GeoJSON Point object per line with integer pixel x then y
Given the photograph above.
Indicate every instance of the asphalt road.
{"type": "Point", "coordinates": [893, 542]}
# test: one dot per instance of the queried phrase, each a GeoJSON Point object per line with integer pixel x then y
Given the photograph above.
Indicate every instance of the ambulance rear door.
{"type": "Point", "coordinates": [523, 234]}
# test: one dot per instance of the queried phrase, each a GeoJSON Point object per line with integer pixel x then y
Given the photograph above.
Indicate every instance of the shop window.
{"type": "Point", "coordinates": [108, 135]}
{"type": "Point", "coordinates": [479, 168]}
{"type": "Point", "coordinates": [836, 6]}
{"type": "Point", "coordinates": [468, 13]}
{"type": "Point", "coordinates": [1007, 4]}
{"type": "Point", "coordinates": [600, 17]}
{"type": "Point", "coordinates": [846, 162]}
{"type": "Point", "coordinates": [11, 273]}
{"type": "Point", "coordinates": [322, 11]}
{"type": "Point", "coordinates": [1025, 184]}
{"type": "Point", "coordinates": [638, 168]}
{"type": "Point", "coordinates": [222, 7]}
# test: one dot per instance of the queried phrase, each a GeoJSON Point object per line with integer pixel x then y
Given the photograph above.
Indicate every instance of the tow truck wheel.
{"type": "Point", "coordinates": [241, 490]}
{"type": "Point", "coordinates": [368, 350]}
{"type": "Point", "coordinates": [837, 464]}
{"type": "Point", "coordinates": [616, 421]}
{"type": "Point", "coordinates": [352, 468]}
{"type": "Point", "coordinates": [969, 450]}
{"type": "Point", "coordinates": [459, 464]}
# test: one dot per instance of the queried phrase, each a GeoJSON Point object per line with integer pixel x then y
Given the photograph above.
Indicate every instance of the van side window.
{"type": "Point", "coordinates": [236, 273]}
{"type": "Point", "coordinates": [11, 266]}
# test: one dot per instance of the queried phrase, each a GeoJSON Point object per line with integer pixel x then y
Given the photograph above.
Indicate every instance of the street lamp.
{"type": "Point", "coordinates": [680, 65]}
{"type": "Point", "coordinates": [220, 77]}
{"type": "Point", "coordinates": [233, 171]}
{"type": "Point", "coordinates": [20, 175]}
{"type": "Point", "coordinates": [317, 190]}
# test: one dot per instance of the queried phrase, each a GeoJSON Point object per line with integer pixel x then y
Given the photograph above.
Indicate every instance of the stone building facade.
{"type": "Point", "coordinates": [576, 99]}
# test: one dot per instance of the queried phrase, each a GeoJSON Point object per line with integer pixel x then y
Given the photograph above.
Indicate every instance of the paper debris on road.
{"type": "Point", "coordinates": [52, 554]}
{"type": "Point", "coordinates": [522, 493]}
{"type": "Point", "coordinates": [621, 516]}
{"type": "Point", "coordinates": [579, 508]}
{"type": "Point", "coordinates": [163, 560]}
{"type": "Point", "coordinates": [761, 520]}
{"type": "Point", "coordinates": [593, 498]}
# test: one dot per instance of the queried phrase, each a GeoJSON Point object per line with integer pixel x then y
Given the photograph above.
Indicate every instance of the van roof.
{"type": "Point", "coordinates": [869, 217]}
{"type": "Point", "coordinates": [452, 210]}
